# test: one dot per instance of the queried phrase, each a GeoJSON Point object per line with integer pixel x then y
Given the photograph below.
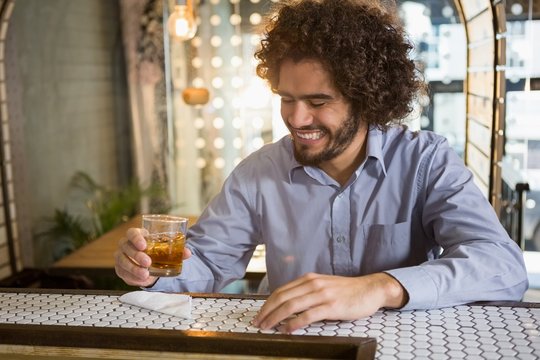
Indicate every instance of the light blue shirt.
{"type": "Point", "coordinates": [410, 210]}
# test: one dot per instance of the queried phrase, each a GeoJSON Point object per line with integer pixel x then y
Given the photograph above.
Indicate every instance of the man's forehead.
{"type": "Point", "coordinates": [307, 76]}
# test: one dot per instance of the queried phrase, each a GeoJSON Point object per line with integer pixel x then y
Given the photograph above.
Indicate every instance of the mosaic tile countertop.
{"type": "Point", "coordinates": [471, 332]}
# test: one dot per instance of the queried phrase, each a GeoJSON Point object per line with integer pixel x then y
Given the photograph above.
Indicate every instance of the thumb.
{"type": "Point", "coordinates": [187, 253]}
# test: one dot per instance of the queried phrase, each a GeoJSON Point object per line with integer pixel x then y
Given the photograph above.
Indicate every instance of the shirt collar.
{"type": "Point", "coordinates": [374, 149]}
{"type": "Point", "coordinates": [294, 165]}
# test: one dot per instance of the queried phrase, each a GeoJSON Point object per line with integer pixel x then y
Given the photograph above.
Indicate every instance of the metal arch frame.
{"type": "Point", "coordinates": [471, 13]}
{"type": "Point", "coordinates": [6, 9]}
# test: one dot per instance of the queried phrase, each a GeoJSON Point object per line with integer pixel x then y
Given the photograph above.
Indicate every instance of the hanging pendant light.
{"type": "Point", "coordinates": [181, 23]}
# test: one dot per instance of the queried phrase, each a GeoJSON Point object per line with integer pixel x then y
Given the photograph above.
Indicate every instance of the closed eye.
{"type": "Point", "coordinates": [287, 100]}
{"type": "Point", "coordinates": [316, 103]}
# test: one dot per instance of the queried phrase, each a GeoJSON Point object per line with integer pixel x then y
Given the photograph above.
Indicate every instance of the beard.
{"type": "Point", "coordinates": [338, 142]}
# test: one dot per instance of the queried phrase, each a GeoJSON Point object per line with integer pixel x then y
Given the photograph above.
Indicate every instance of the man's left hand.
{"type": "Point", "coordinates": [316, 297]}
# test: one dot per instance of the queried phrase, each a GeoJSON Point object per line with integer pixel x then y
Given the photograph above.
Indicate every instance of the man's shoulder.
{"type": "Point", "coordinates": [421, 139]}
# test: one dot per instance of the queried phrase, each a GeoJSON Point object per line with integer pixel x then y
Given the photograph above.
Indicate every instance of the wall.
{"type": "Point", "coordinates": [68, 102]}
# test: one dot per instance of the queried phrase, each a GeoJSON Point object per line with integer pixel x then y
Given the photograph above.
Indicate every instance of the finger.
{"type": "Point", "coordinates": [309, 316]}
{"type": "Point", "coordinates": [283, 305]}
{"type": "Point", "coordinates": [134, 275]}
{"type": "Point", "coordinates": [187, 253]}
{"type": "Point", "coordinates": [131, 264]}
{"type": "Point", "coordinates": [282, 294]}
{"type": "Point", "coordinates": [128, 271]}
{"type": "Point", "coordinates": [290, 309]}
{"type": "Point", "coordinates": [136, 237]}
{"type": "Point", "coordinates": [134, 254]}
{"type": "Point", "coordinates": [296, 288]}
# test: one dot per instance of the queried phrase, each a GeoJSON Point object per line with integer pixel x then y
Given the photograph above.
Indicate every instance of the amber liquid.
{"type": "Point", "coordinates": [166, 251]}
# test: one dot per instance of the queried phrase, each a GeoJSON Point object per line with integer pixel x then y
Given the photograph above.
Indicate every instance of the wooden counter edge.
{"type": "Point", "coordinates": [190, 341]}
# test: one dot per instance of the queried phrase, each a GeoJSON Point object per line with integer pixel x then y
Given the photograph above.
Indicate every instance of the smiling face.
{"type": "Point", "coordinates": [319, 118]}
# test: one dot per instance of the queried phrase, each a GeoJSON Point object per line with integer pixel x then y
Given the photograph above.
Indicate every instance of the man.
{"type": "Point", "coordinates": [356, 212]}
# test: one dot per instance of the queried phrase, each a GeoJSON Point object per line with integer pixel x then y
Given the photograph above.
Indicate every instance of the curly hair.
{"type": "Point", "coordinates": [361, 43]}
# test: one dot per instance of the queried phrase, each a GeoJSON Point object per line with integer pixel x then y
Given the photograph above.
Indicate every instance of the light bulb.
{"type": "Point", "coordinates": [181, 23]}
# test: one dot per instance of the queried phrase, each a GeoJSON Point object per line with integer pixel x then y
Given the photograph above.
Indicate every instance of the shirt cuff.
{"type": "Point", "coordinates": [420, 287]}
{"type": "Point", "coordinates": [153, 287]}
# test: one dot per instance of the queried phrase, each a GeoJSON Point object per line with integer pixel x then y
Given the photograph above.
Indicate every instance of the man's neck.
{"type": "Point", "coordinates": [343, 166]}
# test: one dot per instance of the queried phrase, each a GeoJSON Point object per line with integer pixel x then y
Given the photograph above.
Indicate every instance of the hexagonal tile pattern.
{"type": "Point", "coordinates": [472, 332]}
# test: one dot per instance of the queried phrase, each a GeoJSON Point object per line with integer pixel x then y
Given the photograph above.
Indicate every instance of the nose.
{"type": "Point", "coordinates": [297, 114]}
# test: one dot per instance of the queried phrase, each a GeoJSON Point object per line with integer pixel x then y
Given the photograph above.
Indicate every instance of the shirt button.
{"type": "Point", "coordinates": [340, 239]}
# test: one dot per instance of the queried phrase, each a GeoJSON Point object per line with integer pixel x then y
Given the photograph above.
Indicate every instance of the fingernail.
{"type": "Point", "coordinates": [263, 325]}
{"type": "Point", "coordinates": [282, 329]}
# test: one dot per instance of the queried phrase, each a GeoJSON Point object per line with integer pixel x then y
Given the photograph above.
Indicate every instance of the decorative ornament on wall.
{"type": "Point", "coordinates": [195, 96]}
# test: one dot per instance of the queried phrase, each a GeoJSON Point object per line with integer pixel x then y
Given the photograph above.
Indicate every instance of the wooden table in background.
{"type": "Point", "coordinates": [99, 254]}
{"type": "Point", "coordinates": [97, 257]}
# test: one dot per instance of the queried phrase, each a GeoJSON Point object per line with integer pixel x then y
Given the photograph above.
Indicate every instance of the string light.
{"type": "Point", "coordinates": [181, 23]}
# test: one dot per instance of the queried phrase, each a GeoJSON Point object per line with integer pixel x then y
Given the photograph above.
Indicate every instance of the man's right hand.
{"type": "Point", "coordinates": [131, 263]}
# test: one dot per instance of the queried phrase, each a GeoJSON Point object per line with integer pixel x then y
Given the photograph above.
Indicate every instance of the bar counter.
{"type": "Point", "coordinates": [83, 323]}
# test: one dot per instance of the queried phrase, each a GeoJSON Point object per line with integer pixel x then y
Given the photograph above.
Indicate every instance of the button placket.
{"type": "Point", "coordinates": [341, 257]}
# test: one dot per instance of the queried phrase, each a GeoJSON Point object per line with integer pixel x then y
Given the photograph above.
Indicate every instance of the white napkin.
{"type": "Point", "coordinates": [170, 304]}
